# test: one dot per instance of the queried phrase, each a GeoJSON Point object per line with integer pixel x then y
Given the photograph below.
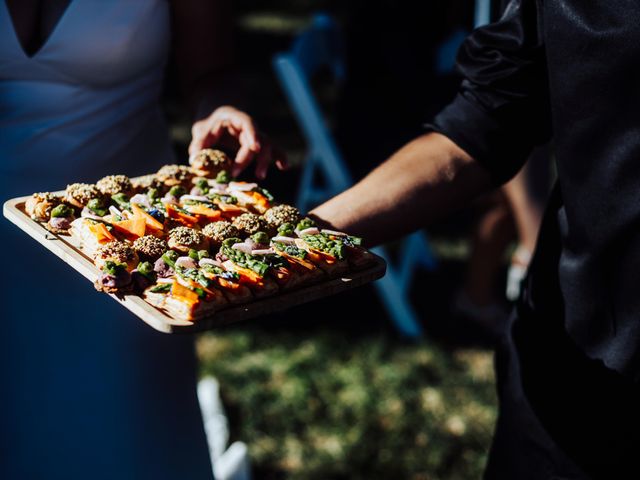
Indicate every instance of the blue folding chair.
{"type": "Point", "coordinates": [319, 47]}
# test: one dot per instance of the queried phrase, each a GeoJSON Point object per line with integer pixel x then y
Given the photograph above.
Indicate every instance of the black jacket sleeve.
{"type": "Point", "coordinates": [502, 108]}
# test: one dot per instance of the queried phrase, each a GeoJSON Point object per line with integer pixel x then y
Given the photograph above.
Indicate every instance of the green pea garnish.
{"type": "Point", "coordinates": [61, 210]}
{"type": "Point", "coordinates": [112, 268]}
{"type": "Point", "coordinates": [223, 177]}
{"type": "Point", "coordinates": [96, 205]}
{"type": "Point", "coordinates": [202, 184]}
{"type": "Point", "coordinates": [177, 191]}
{"type": "Point", "coordinates": [145, 268]}
{"type": "Point", "coordinates": [260, 237]}
{"type": "Point", "coordinates": [305, 223]}
{"type": "Point", "coordinates": [121, 200]}
{"type": "Point", "coordinates": [286, 230]}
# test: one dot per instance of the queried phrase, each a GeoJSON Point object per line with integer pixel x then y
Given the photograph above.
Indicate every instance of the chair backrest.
{"type": "Point", "coordinates": [482, 13]}
{"type": "Point", "coordinates": [318, 47]}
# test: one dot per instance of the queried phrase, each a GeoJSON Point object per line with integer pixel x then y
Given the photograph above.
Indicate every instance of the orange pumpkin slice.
{"type": "Point", "coordinates": [100, 231]}
{"type": "Point", "coordinates": [184, 294]}
{"type": "Point", "coordinates": [151, 222]}
{"type": "Point", "coordinates": [200, 209]}
{"type": "Point", "coordinates": [184, 218]}
{"type": "Point", "coordinates": [132, 228]}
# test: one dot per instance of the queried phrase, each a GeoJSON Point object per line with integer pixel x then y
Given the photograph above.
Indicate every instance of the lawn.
{"type": "Point", "coordinates": [321, 403]}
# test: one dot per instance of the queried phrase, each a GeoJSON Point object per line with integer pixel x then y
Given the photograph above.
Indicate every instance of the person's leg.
{"type": "Point", "coordinates": [477, 300]}
{"type": "Point", "coordinates": [527, 214]}
{"type": "Point", "coordinates": [493, 234]}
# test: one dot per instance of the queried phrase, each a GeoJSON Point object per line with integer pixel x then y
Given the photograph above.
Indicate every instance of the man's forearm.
{"type": "Point", "coordinates": [426, 179]}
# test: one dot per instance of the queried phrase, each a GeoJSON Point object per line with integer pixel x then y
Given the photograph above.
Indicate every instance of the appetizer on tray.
{"type": "Point", "coordinates": [191, 240]}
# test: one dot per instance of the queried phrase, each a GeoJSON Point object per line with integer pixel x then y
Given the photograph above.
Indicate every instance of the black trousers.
{"type": "Point", "coordinates": [562, 414]}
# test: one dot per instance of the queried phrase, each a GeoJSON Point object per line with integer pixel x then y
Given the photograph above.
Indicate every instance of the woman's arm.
{"type": "Point", "coordinates": [426, 179]}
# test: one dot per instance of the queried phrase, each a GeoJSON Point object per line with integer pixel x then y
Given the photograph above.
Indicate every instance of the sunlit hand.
{"type": "Point", "coordinates": [231, 128]}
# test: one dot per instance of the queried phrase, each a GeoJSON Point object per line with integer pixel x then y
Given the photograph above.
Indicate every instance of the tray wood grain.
{"type": "Point", "coordinates": [68, 249]}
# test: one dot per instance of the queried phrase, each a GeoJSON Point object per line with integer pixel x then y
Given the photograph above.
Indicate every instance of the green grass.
{"type": "Point", "coordinates": [323, 405]}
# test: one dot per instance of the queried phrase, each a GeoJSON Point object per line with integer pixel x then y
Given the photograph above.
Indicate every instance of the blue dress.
{"type": "Point", "coordinates": [86, 389]}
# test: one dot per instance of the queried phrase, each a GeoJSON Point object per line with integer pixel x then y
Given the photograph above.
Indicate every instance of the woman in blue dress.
{"type": "Point", "coordinates": [88, 391]}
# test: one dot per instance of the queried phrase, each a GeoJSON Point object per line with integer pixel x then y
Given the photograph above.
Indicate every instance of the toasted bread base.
{"type": "Point", "coordinates": [238, 296]}
{"type": "Point", "coordinates": [181, 310]}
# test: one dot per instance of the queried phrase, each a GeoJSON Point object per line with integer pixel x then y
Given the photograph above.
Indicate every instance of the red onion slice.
{"type": "Point", "coordinates": [141, 199]}
{"type": "Point", "coordinates": [209, 261]}
{"type": "Point", "coordinates": [242, 247]}
{"type": "Point", "coordinates": [169, 199]}
{"type": "Point", "coordinates": [218, 187]}
{"type": "Point", "coordinates": [251, 243]}
{"type": "Point", "coordinates": [309, 231]}
{"type": "Point", "coordinates": [263, 251]}
{"type": "Point", "coordinates": [196, 198]}
{"type": "Point", "coordinates": [186, 262]}
{"type": "Point", "coordinates": [287, 240]}
{"type": "Point", "coordinates": [242, 187]}
{"type": "Point", "coordinates": [115, 211]}
{"type": "Point", "coordinates": [334, 232]}
{"type": "Point", "coordinates": [86, 213]}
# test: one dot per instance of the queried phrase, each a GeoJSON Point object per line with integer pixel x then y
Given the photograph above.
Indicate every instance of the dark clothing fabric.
{"type": "Point", "coordinates": [563, 415]}
{"type": "Point", "coordinates": [568, 70]}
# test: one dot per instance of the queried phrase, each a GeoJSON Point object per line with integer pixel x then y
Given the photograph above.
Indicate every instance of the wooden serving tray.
{"type": "Point", "coordinates": [68, 249]}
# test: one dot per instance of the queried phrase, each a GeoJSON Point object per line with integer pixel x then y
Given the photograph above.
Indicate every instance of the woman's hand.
{"type": "Point", "coordinates": [231, 128]}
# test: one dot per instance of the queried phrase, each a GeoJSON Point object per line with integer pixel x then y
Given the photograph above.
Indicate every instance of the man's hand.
{"type": "Point", "coordinates": [229, 127]}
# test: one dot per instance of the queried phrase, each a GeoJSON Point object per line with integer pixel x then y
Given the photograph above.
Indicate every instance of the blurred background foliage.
{"type": "Point", "coordinates": [327, 390]}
